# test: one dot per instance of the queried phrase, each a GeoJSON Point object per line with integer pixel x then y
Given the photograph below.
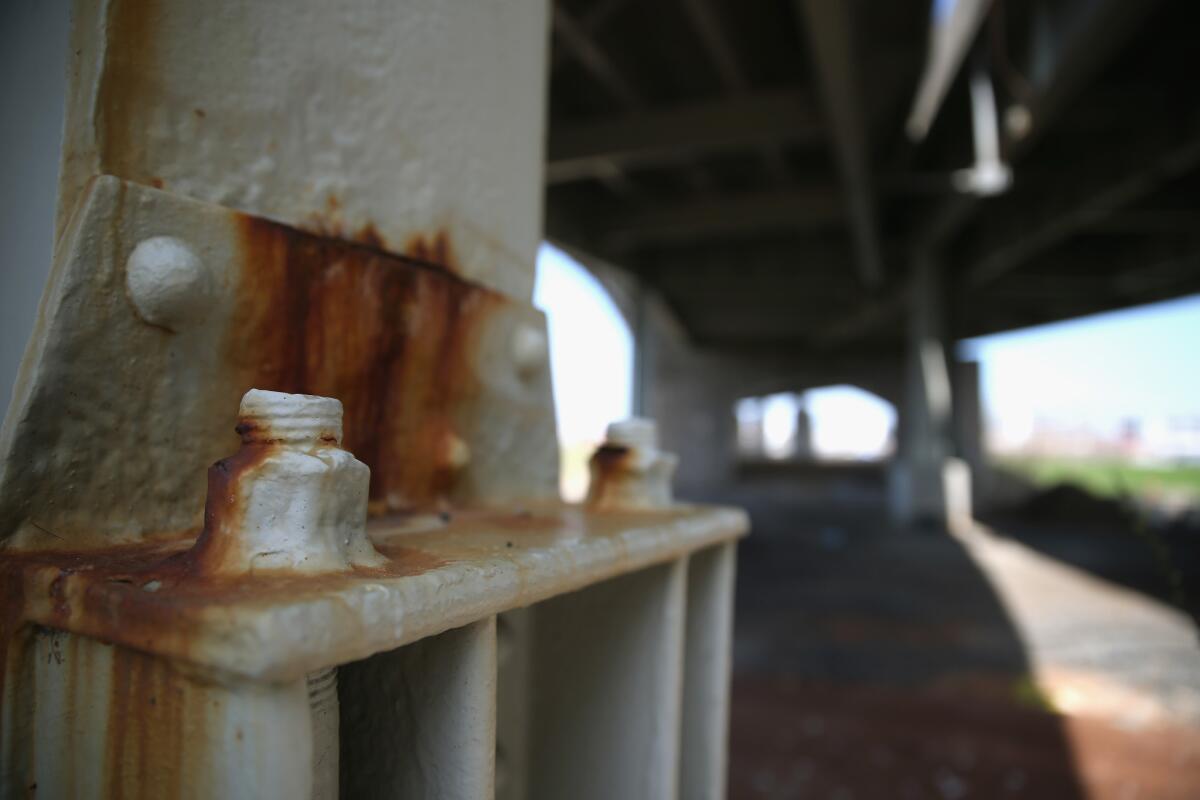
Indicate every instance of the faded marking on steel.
{"type": "Point", "coordinates": [115, 420]}
{"type": "Point", "coordinates": [441, 572]}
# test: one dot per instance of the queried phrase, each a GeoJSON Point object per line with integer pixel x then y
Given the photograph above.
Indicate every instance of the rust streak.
{"type": "Point", "coordinates": [147, 715]}
{"type": "Point", "coordinates": [387, 335]}
{"type": "Point", "coordinates": [221, 504]}
{"type": "Point", "coordinates": [435, 249]}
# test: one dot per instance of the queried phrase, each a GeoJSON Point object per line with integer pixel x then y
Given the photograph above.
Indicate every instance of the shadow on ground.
{"type": "Point", "coordinates": [1156, 555]}
{"type": "Point", "coordinates": [878, 663]}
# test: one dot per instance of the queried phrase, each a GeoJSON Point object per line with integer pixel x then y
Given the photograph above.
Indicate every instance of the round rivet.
{"type": "Point", "coordinates": [529, 350]}
{"type": "Point", "coordinates": [169, 285]}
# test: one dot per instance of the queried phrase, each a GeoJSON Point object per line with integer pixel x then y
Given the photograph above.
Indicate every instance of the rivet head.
{"type": "Point", "coordinates": [529, 350]}
{"type": "Point", "coordinates": [168, 283]}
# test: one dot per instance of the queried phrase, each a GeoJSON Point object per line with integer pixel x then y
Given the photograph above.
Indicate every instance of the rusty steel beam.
{"type": "Point", "coordinates": [219, 302]}
{"type": "Point", "coordinates": [348, 352]}
{"type": "Point", "coordinates": [130, 389]}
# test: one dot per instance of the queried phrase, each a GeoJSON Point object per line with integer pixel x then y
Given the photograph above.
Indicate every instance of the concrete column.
{"type": "Point", "coordinates": [802, 448]}
{"type": "Point", "coordinates": [969, 426]}
{"type": "Point", "coordinates": [929, 485]}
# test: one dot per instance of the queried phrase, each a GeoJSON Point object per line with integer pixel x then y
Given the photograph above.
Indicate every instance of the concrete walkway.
{"type": "Point", "coordinates": [1096, 648]}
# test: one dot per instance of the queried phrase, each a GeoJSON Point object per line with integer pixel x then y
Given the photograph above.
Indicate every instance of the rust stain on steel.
{"type": "Point", "coordinates": [222, 503]}
{"type": "Point", "coordinates": [144, 740]}
{"type": "Point", "coordinates": [432, 250]}
{"type": "Point", "coordinates": [435, 249]}
{"type": "Point", "coordinates": [387, 335]}
{"type": "Point", "coordinates": [330, 224]}
{"type": "Point", "coordinates": [610, 464]}
{"type": "Point", "coordinates": [12, 611]}
{"type": "Point", "coordinates": [153, 596]}
{"type": "Point", "coordinates": [105, 595]}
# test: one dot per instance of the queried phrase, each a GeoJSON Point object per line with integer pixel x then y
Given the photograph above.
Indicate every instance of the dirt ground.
{"type": "Point", "coordinates": [879, 663]}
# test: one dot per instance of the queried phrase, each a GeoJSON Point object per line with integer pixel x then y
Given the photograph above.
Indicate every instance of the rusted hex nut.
{"type": "Point", "coordinates": [628, 471]}
{"type": "Point", "coordinates": [291, 499]}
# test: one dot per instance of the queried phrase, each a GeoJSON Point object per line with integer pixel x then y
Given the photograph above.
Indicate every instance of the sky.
{"type": "Point", "coordinates": [591, 348]}
{"type": "Point", "coordinates": [1141, 363]}
{"type": "Point", "coordinates": [1095, 371]}
{"type": "Point", "coordinates": [845, 422]}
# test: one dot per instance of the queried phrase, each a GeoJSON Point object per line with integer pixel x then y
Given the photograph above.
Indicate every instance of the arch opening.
{"type": "Point", "coordinates": [591, 361]}
{"type": "Point", "coordinates": [827, 424]}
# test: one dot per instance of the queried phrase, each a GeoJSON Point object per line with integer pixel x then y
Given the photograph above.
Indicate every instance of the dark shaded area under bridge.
{"type": "Point", "coordinates": [742, 177]}
{"type": "Point", "coordinates": [875, 662]}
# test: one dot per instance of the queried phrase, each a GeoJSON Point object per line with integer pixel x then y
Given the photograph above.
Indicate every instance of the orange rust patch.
{"type": "Point", "coordinates": [607, 463]}
{"type": "Point", "coordinates": [609, 467]}
{"type": "Point", "coordinates": [148, 707]}
{"type": "Point", "coordinates": [369, 236]}
{"type": "Point", "coordinates": [221, 506]}
{"type": "Point", "coordinates": [414, 561]}
{"type": "Point", "coordinates": [154, 597]}
{"type": "Point", "coordinates": [386, 335]}
{"type": "Point", "coordinates": [435, 249]}
{"type": "Point", "coordinates": [329, 223]}
{"type": "Point", "coordinates": [12, 609]}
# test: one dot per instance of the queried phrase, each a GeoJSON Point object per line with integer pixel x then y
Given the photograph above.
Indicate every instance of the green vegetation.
{"type": "Point", "coordinates": [1110, 478]}
{"type": "Point", "coordinates": [1028, 694]}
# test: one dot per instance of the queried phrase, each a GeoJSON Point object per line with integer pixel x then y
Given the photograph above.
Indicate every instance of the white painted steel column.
{"type": "Point", "coordinates": [513, 640]}
{"type": "Point", "coordinates": [420, 721]}
{"type": "Point", "coordinates": [928, 484]}
{"type": "Point", "coordinates": [607, 682]}
{"type": "Point", "coordinates": [106, 721]}
{"type": "Point", "coordinates": [707, 667]}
